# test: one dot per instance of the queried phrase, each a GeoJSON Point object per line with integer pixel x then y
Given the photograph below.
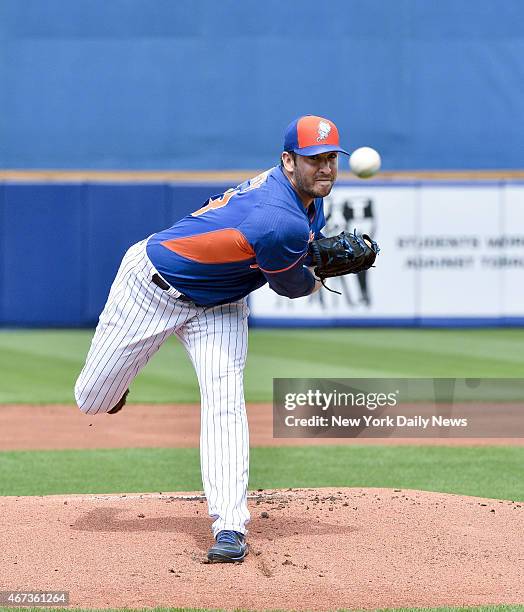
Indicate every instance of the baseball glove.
{"type": "Point", "coordinates": [343, 254]}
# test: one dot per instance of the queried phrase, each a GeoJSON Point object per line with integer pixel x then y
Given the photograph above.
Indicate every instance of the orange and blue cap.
{"type": "Point", "coordinates": [311, 135]}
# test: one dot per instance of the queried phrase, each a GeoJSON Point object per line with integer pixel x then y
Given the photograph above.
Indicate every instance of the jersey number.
{"type": "Point", "coordinates": [214, 204]}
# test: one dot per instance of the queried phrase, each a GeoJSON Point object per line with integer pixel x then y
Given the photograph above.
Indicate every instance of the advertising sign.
{"type": "Point", "coordinates": [449, 253]}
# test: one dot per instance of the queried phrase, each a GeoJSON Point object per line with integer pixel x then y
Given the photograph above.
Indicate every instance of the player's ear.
{"type": "Point", "coordinates": [288, 161]}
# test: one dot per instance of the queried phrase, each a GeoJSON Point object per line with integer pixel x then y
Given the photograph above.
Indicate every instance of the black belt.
{"type": "Point", "coordinates": [160, 282]}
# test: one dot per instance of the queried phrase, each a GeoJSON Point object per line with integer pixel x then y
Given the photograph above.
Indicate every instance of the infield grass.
{"type": "Point", "coordinates": [493, 472]}
{"type": "Point", "coordinates": [41, 366]}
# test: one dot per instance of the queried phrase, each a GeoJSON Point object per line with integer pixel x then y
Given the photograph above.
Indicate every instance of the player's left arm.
{"type": "Point", "coordinates": [281, 260]}
{"type": "Point", "coordinates": [298, 281]}
{"type": "Point", "coordinates": [281, 248]}
{"type": "Point", "coordinates": [319, 222]}
{"type": "Point", "coordinates": [317, 225]}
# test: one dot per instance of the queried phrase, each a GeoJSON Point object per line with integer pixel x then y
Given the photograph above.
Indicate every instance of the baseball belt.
{"type": "Point", "coordinates": [160, 282]}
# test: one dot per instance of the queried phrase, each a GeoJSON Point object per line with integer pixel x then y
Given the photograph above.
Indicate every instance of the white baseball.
{"type": "Point", "coordinates": [364, 162]}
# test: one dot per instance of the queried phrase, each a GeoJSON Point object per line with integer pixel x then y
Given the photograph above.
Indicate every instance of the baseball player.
{"type": "Point", "coordinates": [192, 280]}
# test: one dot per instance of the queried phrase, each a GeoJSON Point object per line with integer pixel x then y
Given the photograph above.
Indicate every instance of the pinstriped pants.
{"type": "Point", "coordinates": [136, 320]}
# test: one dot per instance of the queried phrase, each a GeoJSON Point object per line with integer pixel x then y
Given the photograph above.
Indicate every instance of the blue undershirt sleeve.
{"type": "Point", "coordinates": [318, 224]}
{"type": "Point", "coordinates": [294, 283]}
{"type": "Point", "coordinates": [281, 247]}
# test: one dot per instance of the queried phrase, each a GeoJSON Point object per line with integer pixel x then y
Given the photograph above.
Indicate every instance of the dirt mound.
{"type": "Point", "coordinates": [309, 550]}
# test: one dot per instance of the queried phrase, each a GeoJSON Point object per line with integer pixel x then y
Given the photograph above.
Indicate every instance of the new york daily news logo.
{"type": "Point", "coordinates": [319, 399]}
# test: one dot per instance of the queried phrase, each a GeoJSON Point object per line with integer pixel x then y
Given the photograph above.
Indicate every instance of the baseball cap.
{"type": "Point", "coordinates": [310, 135]}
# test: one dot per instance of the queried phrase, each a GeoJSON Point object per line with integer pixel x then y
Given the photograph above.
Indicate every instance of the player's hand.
{"type": "Point", "coordinates": [318, 282]}
{"type": "Point", "coordinates": [347, 253]}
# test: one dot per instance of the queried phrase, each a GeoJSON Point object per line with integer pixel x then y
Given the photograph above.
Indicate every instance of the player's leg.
{"type": "Point", "coordinates": [136, 319]}
{"type": "Point", "coordinates": [216, 341]}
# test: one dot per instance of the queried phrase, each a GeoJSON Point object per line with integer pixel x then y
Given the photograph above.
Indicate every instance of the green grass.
{"type": "Point", "coordinates": [494, 472]}
{"type": "Point", "coordinates": [41, 366]}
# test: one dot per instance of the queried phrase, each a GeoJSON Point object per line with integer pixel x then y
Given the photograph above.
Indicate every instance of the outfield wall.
{"type": "Point", "coordinates": [207, 85]}
{"type": "Point", "coordinates": [452, 255]}
{"type": "Point", "coordinates": [452, 252]}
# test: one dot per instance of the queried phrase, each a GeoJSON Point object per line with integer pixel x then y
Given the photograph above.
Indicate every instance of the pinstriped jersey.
{"type": "Point", "coordinates": [238, 240]}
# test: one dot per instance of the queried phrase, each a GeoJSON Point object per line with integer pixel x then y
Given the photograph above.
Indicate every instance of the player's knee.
{"type": "Point", "coordinates": [82, 403]}
{"type": "Point", "coordinates": [86, 403]}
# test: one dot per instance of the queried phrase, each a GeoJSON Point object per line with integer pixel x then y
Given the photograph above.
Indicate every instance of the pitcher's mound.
{"type": "Point", "coordinates": [309, 550]}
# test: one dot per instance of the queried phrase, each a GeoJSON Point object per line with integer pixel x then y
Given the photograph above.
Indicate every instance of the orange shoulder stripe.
{"type": "Point", "coordinates": [219, 246]}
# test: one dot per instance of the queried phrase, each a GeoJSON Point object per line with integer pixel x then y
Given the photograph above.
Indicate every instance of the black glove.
{"type": "Point", "coordinates": [342, 254]}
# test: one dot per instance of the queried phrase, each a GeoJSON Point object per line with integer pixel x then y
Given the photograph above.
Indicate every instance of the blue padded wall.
{"type": "Point", "coordinates": [42, 246]}
{"type": "Point", "coordinates": [61, 243]}
{"type": "Point", "coordinates": [203, 84]}
{"type": "Point", "coordinates": [117, 216]}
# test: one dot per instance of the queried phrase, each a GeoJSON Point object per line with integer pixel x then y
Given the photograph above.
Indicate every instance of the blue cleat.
{"type": "Point", "coordinates": [230, 547]}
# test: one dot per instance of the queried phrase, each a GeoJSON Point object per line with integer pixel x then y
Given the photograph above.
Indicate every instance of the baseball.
{"type": "Point", "coordinates": [364, 162]}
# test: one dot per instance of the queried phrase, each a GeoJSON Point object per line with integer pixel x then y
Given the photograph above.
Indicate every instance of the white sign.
{"type": "Point", "coordinates": [447, 251]}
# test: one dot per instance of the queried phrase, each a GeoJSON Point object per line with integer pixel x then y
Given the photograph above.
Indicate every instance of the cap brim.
{"type": "Point", "coordinates": [315, 150]}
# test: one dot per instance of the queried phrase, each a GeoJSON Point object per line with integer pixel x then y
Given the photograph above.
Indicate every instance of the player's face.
{"type": "Point", "coordinates": [314, 176]}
